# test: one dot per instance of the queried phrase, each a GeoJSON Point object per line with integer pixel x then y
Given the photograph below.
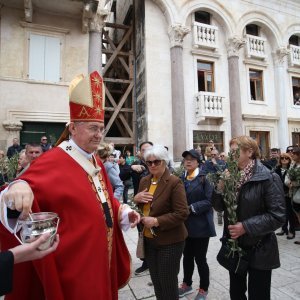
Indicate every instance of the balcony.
{"type": "Point", "coordinates": [256, 47]}
{"type": "Point", "coordinates": [205, 36]}
{"type": "Point", "coordinates": [209, 106]}
{"type": "Point", "coordinates": [294, 56]}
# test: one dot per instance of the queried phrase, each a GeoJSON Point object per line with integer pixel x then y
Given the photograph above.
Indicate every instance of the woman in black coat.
{"type": "Point", "coordinates": [281, 169]}
{"type": "Point", "coordinates": [199, 224]}
{"type": "Point", "coordinates": [260, 211]}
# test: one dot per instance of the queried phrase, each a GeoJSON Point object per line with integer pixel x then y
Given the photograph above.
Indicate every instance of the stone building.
{"type": "Point", "coordinates": [197, 70]}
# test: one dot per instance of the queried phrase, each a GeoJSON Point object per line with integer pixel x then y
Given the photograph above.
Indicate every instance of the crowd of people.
{"type": "Point", "coordinates": [87, 182]}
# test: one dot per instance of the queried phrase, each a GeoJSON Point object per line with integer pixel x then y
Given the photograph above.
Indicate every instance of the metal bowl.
{"type": "Point", "coordinates": [36, 225]}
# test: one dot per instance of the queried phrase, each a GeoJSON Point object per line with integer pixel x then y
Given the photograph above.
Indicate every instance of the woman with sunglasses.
{"type": "Point", "coordinates": [281, 169]}
{"type": "Point", "coordinates": [162, 200]}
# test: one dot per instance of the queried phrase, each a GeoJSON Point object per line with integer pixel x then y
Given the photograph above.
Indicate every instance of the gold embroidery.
{"type": "Point", "coordinates": [84, 112]}
{"type": "Point", "coordinates": [96, 81]}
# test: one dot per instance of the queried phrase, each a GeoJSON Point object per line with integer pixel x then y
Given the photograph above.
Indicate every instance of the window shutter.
{"type": "Point", "coordinates": [36, 57]}
{"type": "Point", "coordinates": [52, 59]}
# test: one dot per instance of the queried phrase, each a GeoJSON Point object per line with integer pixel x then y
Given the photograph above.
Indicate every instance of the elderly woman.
{"type": "Point", "coordinates": [260, 211]}
{"type": "Point", "coordinates": [200, 225]}
{"type": "Point", "coordinates": [112, 170]}
{"type": "Point", "coordinates": [282, 169]}
{"type": "Point", "coordinates": [162, 199]}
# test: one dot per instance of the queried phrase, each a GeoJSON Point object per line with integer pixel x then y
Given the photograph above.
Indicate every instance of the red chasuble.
{"type": "Point", "coordinates": [89, 263]}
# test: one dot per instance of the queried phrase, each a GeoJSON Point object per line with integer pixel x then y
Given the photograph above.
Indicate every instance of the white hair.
{"type": "Point", "coordinates": [159, 152]}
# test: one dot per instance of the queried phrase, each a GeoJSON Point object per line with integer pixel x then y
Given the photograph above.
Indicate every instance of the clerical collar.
{"type": "Point", "coordinates": [85, 154]}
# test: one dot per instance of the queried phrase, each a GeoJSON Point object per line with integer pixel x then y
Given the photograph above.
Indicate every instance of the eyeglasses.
{"type": "Point", "coordinates": [156, 162]}
{"type": "Point", "coordinates": [284, 158]}
{"type": "Point", "coordinates": [44, 139]}
{"type": "Point", "coordinates": [222, 155]}
{"type": "Point", "coordinates": [289, 150]}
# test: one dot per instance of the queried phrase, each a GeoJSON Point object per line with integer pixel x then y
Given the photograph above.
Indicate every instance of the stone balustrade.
{"type": "Point", "coordinates": [256, 47]}
{"type": "Point", "coordinates": [209, 106]}
{"type": "Point", "coordinates": [205, 36]}
{"type": "Point", "coordinates": [294, 55]}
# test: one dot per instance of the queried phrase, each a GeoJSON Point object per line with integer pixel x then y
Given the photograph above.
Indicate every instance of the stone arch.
{"type": "Point", "coordinates": [263, 20]}
{"type": "Point", "coordinates": [291, 30]}
{"type": "Point", "coordinates": [168, 9]}
{"type": "Point", "coordinates": [220, 13]}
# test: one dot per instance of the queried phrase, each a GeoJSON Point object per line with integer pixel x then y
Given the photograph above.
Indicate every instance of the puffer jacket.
{"type": "Point", "coordinates": [261, 209]}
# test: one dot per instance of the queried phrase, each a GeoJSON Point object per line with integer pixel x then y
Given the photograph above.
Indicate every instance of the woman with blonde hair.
{"type": "Point", "coordinates": [260, 211]}
{"type": "Point", "coordinates": [112, 170]}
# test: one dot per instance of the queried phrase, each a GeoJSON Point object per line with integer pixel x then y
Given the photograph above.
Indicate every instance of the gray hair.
{"type": "Point", "coordinates": [159, 152]}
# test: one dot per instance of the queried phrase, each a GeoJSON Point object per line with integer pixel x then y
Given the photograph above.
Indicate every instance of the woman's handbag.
{"type": "Point", "coordinates": [232, 260]}
{"type": "Point", "coordinates": [296, 196]}
{"type": "Point", "coordinates": [140, 249]}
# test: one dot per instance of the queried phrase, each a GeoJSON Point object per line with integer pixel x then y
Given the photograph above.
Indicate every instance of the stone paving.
{"type": "Point", "coordinates": [285, 280]}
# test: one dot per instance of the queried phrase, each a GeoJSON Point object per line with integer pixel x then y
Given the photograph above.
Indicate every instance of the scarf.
{"type": "Point", "coordinates": [246, 174]}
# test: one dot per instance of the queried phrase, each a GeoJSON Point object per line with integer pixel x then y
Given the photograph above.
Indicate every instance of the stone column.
{"type": "Point", "coordinates": [93, 22]}
{"type": "Point", "coordinates": [234, 44]}
{"type": "Point", "coordinates": [13, 127]}
{"type": "Point", "coordinates": [177, 33]}
{"type": "Point", "coordinates": [280, 60]}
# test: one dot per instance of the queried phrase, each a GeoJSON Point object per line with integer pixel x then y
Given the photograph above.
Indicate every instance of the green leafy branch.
{"type": "Point", "coordinates": [230, 178]}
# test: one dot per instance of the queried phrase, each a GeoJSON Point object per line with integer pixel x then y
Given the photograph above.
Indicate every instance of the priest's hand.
{"type": "Point", "coordinates": [19, 196]}
{"type": "Point", "coordinates": [134, 218]}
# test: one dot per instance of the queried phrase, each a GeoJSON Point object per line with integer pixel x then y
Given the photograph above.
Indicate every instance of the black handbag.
{"type": "Point", "coordinates": [232, 260]}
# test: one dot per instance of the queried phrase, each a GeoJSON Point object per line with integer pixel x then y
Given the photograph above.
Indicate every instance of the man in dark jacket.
{"type": "Point", "coordinates": [15, 148]}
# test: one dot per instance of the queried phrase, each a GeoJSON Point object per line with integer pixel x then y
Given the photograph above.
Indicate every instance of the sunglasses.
{"type": "Point", "coordinates": [156, 162]}
{"type": "Point", "coordinates": [284, 158]}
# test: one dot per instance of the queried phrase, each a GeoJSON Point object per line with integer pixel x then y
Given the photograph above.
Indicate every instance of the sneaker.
{"type": "Point", "coordinates": [141, 270]}
{"type": "Point", "coordinates": [201, 295]}
{"type": "Point", "coordinates": [184, 290]}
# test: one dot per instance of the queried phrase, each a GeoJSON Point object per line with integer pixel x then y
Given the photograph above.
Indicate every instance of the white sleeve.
{"type": "Point", "coordinates": [124, 222]}
{"type": "Point", "coordinates": [9, 224]}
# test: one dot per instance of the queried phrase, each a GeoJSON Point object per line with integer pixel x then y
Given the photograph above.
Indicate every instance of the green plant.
{"type": "Point", "coordinates": [230, 178]}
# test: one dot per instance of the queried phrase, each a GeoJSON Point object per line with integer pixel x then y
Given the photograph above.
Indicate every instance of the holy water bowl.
{"type": "Point", "coordinates": [36, 225]}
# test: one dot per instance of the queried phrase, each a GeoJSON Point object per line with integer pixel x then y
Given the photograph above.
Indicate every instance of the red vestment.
{"type": "Point", "coordinates": [80, 267]}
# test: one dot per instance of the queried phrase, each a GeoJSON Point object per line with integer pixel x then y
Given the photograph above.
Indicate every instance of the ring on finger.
{"type": "Point", "coordinates": [10, 204]}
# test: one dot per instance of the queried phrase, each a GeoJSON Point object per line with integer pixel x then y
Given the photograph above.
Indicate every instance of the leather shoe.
{"type": "Point", "coordinates": [290, 236]}
{"type": "Point", "coordinates": [281, 233]}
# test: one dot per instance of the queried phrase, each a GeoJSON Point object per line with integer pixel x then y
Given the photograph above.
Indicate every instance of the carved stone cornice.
{"type": "Point", "coordinates": [280, 55]}
{"type": "Point", "coordinates": [28, 10]}
{"type": "Point", "coordinates": [12, 125]}
{"type": "Point", "coordinates": [93, 17]}
{"type": "Point", "coordinates": [234, 44]}
{"type": "Point", "coordinates": [177, 32]}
